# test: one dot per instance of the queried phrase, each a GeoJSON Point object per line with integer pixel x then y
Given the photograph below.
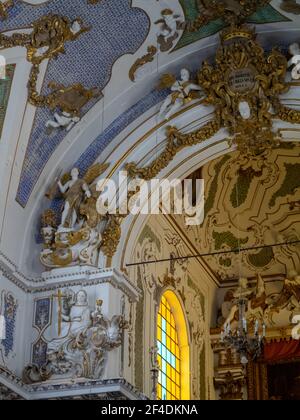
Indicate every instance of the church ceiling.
{"type": "Point", "coordinates": [115, 29]}
{"type": "Point", "coordinates": [250, 203]}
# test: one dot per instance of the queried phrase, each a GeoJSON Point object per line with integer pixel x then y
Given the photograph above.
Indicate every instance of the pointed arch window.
{"type": "Point", "coordinates": [173, 350]}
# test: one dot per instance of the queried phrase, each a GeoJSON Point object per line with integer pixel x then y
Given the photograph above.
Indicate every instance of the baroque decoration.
{"type": "Point", "coordinates": [78, 237]}
{"type": "Point", "coordinates": [46, 41]}
{"type": "Point", "coordinates": [232, 11]}
{"type": "Point", "coordinates": [171, 25]}
{"type": "Point", "coordinates": [244, 87]}
{"type": "Point", "coordinates": [5, 6]}
{"type": "Point", "coordinates": [261, 306]}
{"type": "Point", "coordinates": [84, 338]}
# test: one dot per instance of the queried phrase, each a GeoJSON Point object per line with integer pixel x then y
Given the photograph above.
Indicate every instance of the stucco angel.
{"type": "Point", "coordinates": [76, 191]}
{"type": "Point", "coordinates": [294, 62]}
{"type": "Point", "coordinates": [65, 120]}
{"type": "Point", "coordinates": [183, 91]}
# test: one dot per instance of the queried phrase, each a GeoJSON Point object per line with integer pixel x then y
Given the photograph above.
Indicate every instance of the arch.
{"type": "Point", "coordinates": [176, 340]}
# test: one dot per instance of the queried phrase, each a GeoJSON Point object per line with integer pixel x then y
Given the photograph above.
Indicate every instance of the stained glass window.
{"type": "Point", "coordinates": [169, 381]}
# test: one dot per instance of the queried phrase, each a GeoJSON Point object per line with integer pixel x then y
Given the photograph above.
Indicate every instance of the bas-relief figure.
{"type": "Point", "coordinates": [78, 237]}
{"type": "Point", "coordinates": [65, 120]}
{"type": "Point", "coordinates": [83, 339]}
{"type": "Point", "coordinates": [183, 91]}
{"type": "Point", "coordinates": [170, 24]}
{"type": "Point", "coordinates": [272, 308]}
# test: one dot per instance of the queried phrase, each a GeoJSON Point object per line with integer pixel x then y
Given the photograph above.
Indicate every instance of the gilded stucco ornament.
{"type": "Point", "coordinates": [169, 26]}
{"type": "Point", "coordinates": [274, 309]}
{"type": "Point", "coordinates": [84, 339]}
{"type": "Point", "coordinates": [183, 91]}
{"type": "Point", "coordinates": [290, 6]}
{"type": "Point", "coordinates": [231, 11]}
{"type": "Point", "coordinates": [4, 8]}
{"type": "Point", "coordinates": [141, 62]}
{"type": "Point", "coordinates": [78, 237]}
{"type": "Point", "coordinates": [46, 41]}
{"type": "Point", "coordinates": [244, 87]}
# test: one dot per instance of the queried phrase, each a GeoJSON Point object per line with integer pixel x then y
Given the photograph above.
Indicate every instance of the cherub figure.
{"type": "Point", "coordinates": [64, 120]}
{"type": "Point", "coordinates": [183, 91]}
{"type": "Point", "coordinates": [168, 32]}
{"type": "Point", "coordinates": [294, 50]}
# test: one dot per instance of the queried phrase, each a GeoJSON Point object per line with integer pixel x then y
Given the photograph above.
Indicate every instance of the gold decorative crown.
{"type": "Point", "coordinates": [238, 32]}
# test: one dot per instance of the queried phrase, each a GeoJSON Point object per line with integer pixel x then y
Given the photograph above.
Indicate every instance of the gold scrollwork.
{"type": "Point", "coordinates": [175, 142]}
{"type": "Point", "coordinates": [140, 62]}
{"type": "Point", "coordinates": [244, 86]}
{"type": "Point", "coordinates": [46, 41]}
{"type": "Point", "coordinates": [232, 12]}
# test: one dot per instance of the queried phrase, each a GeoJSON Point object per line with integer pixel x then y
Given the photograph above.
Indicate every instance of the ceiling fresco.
{"type": "Point", "coordinates": [250, 203]}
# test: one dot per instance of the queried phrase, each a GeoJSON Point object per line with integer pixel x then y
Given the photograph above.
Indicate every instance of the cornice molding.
{"type": "Point", "coordinates": [68, 277]}
{"type": "Point", "coordinates": [64, 390]}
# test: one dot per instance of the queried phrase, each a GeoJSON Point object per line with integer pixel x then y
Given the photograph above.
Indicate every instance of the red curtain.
{"type": "Point", "coordinates": [284, 350]}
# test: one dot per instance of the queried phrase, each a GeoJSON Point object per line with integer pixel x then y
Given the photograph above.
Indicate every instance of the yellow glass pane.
{"type": "Point", "coordinates": [168, 343]}
{"type": "Point", "coordinates": [159, 360]}
{"type": "Point", "coordinates": [166, 331]}
{"type": "Point", "coordinates": [173, 335]}
{"type": "Point", "coordinates": [168, 370]}
{"type": "Point", "coordinates": [159, 391]}
{"type": "Point", "coordinates": [159, 334]}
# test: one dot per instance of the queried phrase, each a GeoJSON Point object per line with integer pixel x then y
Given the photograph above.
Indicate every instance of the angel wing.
{"type": "Point", "coordinates": [166, 81]}
{"type": "Point", "coordinates": [94, 172]}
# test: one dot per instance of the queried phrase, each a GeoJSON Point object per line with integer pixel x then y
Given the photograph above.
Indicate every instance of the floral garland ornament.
{"type": "Point", "coordinates": [244, 87]}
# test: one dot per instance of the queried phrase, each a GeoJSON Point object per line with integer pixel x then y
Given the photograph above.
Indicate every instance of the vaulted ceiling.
{"type": "Point", "coordinates": [122, 56]}
{"type": "Point", "coordinates": [250, 203]}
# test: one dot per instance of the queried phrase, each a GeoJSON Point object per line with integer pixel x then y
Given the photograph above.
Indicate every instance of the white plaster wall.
{"type": "Point", "coordinates": [16, 359]}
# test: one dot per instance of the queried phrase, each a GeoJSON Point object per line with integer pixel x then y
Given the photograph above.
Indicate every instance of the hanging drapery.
{"type": "Point", "coordinates": [282, 351]}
